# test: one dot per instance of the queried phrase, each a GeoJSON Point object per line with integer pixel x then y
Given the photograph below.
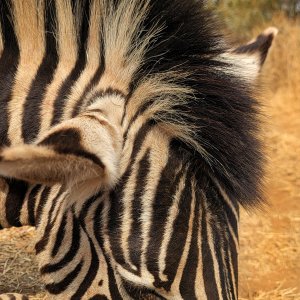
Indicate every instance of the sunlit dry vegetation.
{"type": "Point", "coordinates": [270, 240]}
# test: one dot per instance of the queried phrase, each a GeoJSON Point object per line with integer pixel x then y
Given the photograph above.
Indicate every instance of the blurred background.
{"type": "Point", "coordinates": [269, 260]}
{"type": "Point", "coordinates": [269, 238]}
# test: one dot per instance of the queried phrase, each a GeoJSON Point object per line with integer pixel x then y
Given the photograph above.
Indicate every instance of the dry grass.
{"type": "Point", "coordinates": [270, 240]}
{"type": "Point", "coordinates": [17, 270]}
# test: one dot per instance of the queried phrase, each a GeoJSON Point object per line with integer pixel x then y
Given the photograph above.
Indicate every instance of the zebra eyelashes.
{"type": "Point", "coordinates": [75, 152]}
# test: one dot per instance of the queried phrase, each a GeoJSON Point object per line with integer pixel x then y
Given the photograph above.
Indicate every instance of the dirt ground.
{"type": "Point", "coordinates": [269, 239]}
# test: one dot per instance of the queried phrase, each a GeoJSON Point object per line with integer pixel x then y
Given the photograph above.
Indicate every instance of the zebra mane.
{"type": "Point", "coordinates": [169, 60]}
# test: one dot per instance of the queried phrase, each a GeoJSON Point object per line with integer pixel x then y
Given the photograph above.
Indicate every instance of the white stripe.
{"type": "Point", "coordinates": [227, 200]}
{"type": "Point", "coordinates": [212, 249]}
{"type": "Point", "coordinates": [127, 219]}
{"type": "Point", "coordinates": [199, 283]}
{"type": "Point", "coordinates": [232, 274]}
{"type": "Point", "coordinates": [176, 284]}
{"type": "Point", "coordinates": [4, 188]}
{"type": "Point", "coordinates": [159, 155]}
{"type": "Point", "coordinates": [173, 212]}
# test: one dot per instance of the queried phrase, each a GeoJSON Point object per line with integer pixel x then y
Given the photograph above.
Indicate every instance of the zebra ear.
{"type": "Point", "coordinates": [252, 55]}
{"type": "Point", "coordinates": [66, 155]}
{"type": "Point", "coordinates": [41, 164]}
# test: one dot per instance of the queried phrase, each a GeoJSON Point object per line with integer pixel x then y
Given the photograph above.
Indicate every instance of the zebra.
{"type": "Point", "coordinates": [129, 136]}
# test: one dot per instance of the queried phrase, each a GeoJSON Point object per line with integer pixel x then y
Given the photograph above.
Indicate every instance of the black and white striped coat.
{"type": "Point", "coordinates": [128, 137]}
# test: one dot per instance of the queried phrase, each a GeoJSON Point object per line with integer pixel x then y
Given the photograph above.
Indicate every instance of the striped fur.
{"type": "Point", "coordinates": [129, 133]}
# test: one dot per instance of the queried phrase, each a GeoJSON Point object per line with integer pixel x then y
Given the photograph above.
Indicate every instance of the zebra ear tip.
{"type": "Point", "coordinates": [272, 30]}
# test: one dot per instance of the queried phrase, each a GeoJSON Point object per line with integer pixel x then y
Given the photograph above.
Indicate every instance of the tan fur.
{"type": "Point", "coordinates": [100, 135]}
{"type": "Point", "coordinates": [232, 274]}
{"type": "Point", "coordinates": [245, 65]}
{"type": "Point", "coordinates": [127, 220]}
{"type": "Point", "coordinates": [209, 220]}
{"type": "Point", "coordinates": [164, 88]}
{"type": "Point", "coordinates": [93, 57]}
{"type": "Point", "coordinates": [24, 216]}
{"type": "Point", "coordinates": [29, 29]}
{"type": "Point", "coordinates": [173, 212]}
{"type": "Point", "coordinates": [10, 295]}
{"type": "Point", "coordinates": [120, 28]}
{"type": "Point", "coordinates": [1, 42]}
{"type": "Point", "coordinates": [38, 164]}
{"type": "Point", "coordinates": [3, 194]}
{"type": "Point", "coordinates": [59, 196]}
{"type": "Point", "coordinates": [199, 281]}
{"type": "Point", "coordinates": [67, 51]}
{"type": "Point", "coordinates": [175, 288]}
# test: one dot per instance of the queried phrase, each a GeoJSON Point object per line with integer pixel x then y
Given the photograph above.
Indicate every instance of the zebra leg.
{"type": "Point", "coordinates": [13, 296]}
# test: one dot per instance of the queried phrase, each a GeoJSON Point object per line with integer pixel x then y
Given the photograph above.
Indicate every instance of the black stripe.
{"type": "Point", "coordinates": [31, 203]}
{"type": "Point", "coordinates": [234, 257]}
{"type": "Point", "coordinates": [231, 217]}
{"type": "Point", "coordinates": [65, 90]}
{"type": "Point", "coordinates": [117, 195]}
{"type": "Point", "coordinates": [98, 226]}
{"type": "Point", "coordinates": [163, 200]}
{"type": "Point", "coordinates": [218, 245]}
{"type": "Point", "coordinates": [140, 111]}
{"type": "Point", "coordinates": [75, 244]}
{"type": "Point", "coordinates": [59, 236]}
{"type": "Point", "coordinates": [140, 293]}
{"type": "Point", "coordinates": [43, 242]}
{"type": "Point", "coordinates": [208, 271]}
{"type": "Point", "coordinates": [217, 223]}
{"type": "Point", "coordinates": [227, 262]}
{"type": "Point", "coordinates": [14, 201]}
{"type": "Point", "coordinates": [99, 297]}
{"type": "Point", "coordinates": [66, 86]}
{"type": "Point", "coordinates": [220, 201]}
{"type": "Point", "coordinates": [188, 280]}
{"type": "Point", "coordinates": [95, 79]}
{"type": "Point", "coordinates": [94, 265]}
{"type": "Point", "coordinates": [135, 240]}
{"type": "Point", "coordinates": [179, 234]}
{"type": "Point", "coordinates": [32, 107]}
{"type": "Point", "coordinates": [8, 66]}
{"type": "Point", "coordinates": [86, 207]}
{"type": "Point", "coordinates": [57, 288]}
{"type": "Point", "coordinates": [132, 87]}
{"type": "Point", "coordinates": [105, 93]}
{"type": "Point", "coordinates": [91, 273]}
{"type": "Point", "coordinates": [43, 200]}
